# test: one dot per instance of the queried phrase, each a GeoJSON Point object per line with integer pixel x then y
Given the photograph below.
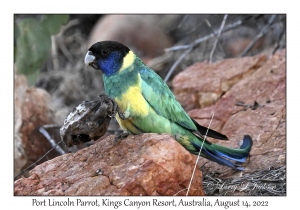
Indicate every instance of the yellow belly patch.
{"type": "Point", "coordinates": [127, 60]}
{"type": "Point", "coordinates": [126, 125]}
{"type": "Point", "coordinates": [133, 101]}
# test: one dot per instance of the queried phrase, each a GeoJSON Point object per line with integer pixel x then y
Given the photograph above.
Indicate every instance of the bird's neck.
{"type": "Point", "coordinates": [117, 84]}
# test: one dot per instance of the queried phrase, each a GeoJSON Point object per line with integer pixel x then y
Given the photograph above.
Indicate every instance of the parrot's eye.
{"type": "Point", "coordinates": [105, 51]}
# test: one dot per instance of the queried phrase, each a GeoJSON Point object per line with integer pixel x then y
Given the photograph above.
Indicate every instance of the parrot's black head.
{"type": "Point", "coordinates": [107, 56]}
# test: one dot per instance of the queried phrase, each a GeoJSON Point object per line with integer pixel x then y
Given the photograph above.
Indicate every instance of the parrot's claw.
{"type": "Point", "coordinates": [121, 115]}
{"type": "Point", "coordinates": [120, 137]}
{"type": "Point", "coordinates": [116, 108]}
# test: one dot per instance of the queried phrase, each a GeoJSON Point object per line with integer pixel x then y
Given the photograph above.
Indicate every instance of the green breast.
{"type": "Point", "coordinates": [117, 84]}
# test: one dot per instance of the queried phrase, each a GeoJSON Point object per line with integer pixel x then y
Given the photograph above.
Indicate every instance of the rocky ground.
{"type": "Point", "coordinates": [247, 95]}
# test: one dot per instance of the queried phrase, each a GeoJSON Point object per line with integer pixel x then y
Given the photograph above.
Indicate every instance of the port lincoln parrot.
{"type": "Point", "coordinates": [149, 106]}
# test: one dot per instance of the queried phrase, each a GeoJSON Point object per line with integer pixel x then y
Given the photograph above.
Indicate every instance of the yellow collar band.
{"type": "Point", "coordinates": [128, 60]}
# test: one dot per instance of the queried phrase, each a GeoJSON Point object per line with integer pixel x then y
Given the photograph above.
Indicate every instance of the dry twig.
{"type": "Point", "coordinates": [277, 46]}
{"type": "Point", "coordinates": [212, 30]}
{"type": "Point", "coordinates": [202, 39]}
{"type": "Point", "coordinates": [189, 47]}
{"type": "Point", "coordinates": [217, 38]}
{"type": "Point", "coordinates": [50, 140]}
{"type": "Point", "coordinates": [176, 64]}
{"type": "Point", "coordinates": [261, 33]}
{"type": "Point", "coordinates": [37, 160]}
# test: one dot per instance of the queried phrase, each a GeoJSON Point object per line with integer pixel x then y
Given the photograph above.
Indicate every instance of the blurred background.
{"type": "Point", "coordinates": [49, 53]}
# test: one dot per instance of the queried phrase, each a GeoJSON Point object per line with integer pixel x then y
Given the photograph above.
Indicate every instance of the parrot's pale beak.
{"type": "Point", "coordinates": [90, 60]}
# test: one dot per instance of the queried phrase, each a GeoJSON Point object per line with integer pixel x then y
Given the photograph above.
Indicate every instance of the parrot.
{"type": "Point", "coordinates": [149, 106]}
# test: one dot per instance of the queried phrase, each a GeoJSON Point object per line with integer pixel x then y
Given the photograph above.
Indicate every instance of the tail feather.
{"type": "Point", "coordinates": [247, 143]}
{"type": "Point", "coordinates": [239, 155]}
{"type": "Point", "coordinates": [209, 132]}
{"type": "Point", "coordinates": [221, 160]}
{"type": "Point", "coordinates": [240, 159]}
{"type": "Point", "coordinates": [224, 155]}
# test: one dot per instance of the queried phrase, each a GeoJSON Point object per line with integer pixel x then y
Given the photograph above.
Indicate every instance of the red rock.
{"type": "Point", "coordinates": [202, 84]}
{"type": "Point", "coordinates": [139, 32]}
{"type": "Point", "coordinates": [31, 112]}
{"type": "Point", "coordinates": [148, 164]}
{"type": "Point", "coordinates": [266, 125]}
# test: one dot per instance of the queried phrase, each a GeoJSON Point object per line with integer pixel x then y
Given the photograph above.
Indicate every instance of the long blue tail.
{"type": "Point", "coordinates": [227, 156]}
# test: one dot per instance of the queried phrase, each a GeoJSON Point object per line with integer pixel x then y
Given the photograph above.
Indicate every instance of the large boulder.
{"type": "Point", "coordinates": [148, 164]}
{"type": "Point", "coordinates": [202, 84]}
{"type": "Point", "coordinates": [32, 110]}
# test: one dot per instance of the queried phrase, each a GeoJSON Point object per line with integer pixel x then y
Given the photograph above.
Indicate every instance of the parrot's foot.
{"type": "Point", "coordinates": [120, 137]}
{"type": "Point", "coordinates": [121, 115]}
{"type": "Point", "coordinates": [115, 108]}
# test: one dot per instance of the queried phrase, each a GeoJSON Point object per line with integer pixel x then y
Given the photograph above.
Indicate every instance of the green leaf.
{"type": "Point", "coordinates": [31, 78]}
{"type": "Point", "coordinates": [54, 22]}
{"type": "Point", "coordinates": [32, 39]}
{"type": "Point", "coordinates": [33, 45]}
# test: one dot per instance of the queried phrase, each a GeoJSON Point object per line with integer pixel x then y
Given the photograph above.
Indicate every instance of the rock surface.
{"type": "Point", "coordinates": [31, 112]}
{"type": "Point", "coordinates": [148, 164]}
{"type": "Point", "coordinates": [266, 125]}
{"type": "Point", "coordinates": [202, 84]}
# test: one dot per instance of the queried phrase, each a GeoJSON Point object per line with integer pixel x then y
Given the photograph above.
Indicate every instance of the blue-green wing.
{"type": "Point", "coordinates": [160, 97]}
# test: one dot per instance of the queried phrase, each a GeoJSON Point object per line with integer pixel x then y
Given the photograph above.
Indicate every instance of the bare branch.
{"type": "Point", "coordinates": [54, 53]}
{"type": "Point", "coordinates": [261, 33]}
{"type": "Point", "coordinates": [198, 41]}
{"type": "Point", "coordinates": [277, 46]}
{"type": "Point", "coordinates": [70, 24]}
{"type": "Point", "coordinates": [217, 38]}
{"type": "Point", "coordinates": [52, 141]}
{"type": "Point", "coordinates": [194, 28]}
{"type": "Point", "coordinates": [212, 30]}
{"type": "Point", "coordinates": [37, 161]}
{"type": "Point", "coordinates": [176, 64]}
{"type": "Point", "coordinates": [189, 47]}
{"type": "Point", "coordinates": [64, 49]}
